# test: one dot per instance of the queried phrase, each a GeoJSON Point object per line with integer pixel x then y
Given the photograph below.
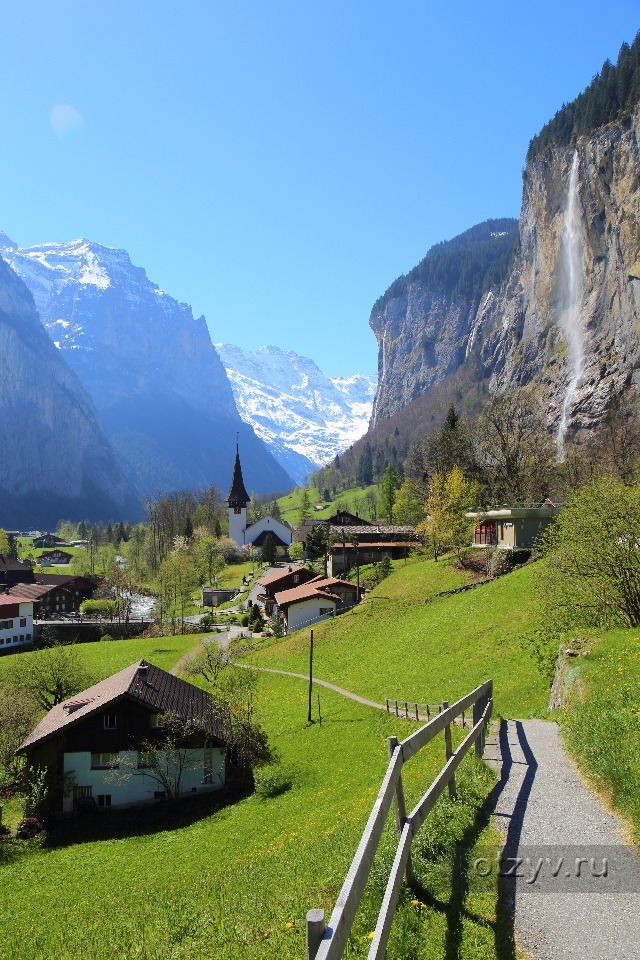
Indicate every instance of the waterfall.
{"type": "Point", "coordinates": [571, 254]}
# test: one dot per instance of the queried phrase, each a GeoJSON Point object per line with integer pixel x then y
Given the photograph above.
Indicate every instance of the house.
{"type": "Point", "coordinates": [279, 580]}
{"type": "Point", "coordinates": [315, 600]}
{"type": "Point", "coordinates": [57, 557]}
{"type": "Point", "coordinates": [16, 619]}
{"type": "Point", "coordinates": [49, 600]}
{"type": "Point", "coordinates": [47, 540]}
{"type": "Point", "coordinates": [92, 744]}
{"type": "Point", "coordinates": [256, 533]}
{"type": "Point", "coordinates": [355, 541]}
{"type": "Point", "coordinates": [15, 571]}
{"type": "Point", "coordinates": [512, 528]}
{"type": "Point", "coordinates": [81, 587]}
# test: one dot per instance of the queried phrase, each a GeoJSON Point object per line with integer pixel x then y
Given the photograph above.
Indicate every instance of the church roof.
{"type": "Point", "coordinates": [237, 490]}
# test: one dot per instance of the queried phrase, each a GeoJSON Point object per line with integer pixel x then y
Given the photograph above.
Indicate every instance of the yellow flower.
{"type": "Point", "coordinates": [415, 903]}
{"type": "Point", "coordinates": [290, 924]}
{"type": "Point", "coordinates": [371, 935]}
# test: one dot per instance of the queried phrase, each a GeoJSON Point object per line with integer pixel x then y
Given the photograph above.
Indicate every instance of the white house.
{"type": "Point", "coordinates": [95, 744]}
{"type": "Point", "coordinates": [16, 619]}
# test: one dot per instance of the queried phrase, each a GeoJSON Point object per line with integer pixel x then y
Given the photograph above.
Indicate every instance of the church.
{"type": "Point", "coordinates": [255, 533]}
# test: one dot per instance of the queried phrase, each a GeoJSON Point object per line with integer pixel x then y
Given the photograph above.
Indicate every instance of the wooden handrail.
{"type": "Point", "coordinates": [328, 943]}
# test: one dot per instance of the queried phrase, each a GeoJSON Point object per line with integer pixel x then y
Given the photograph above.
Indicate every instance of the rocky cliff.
{"type": "Point", "coordinates": [56, 460]}
{"type": "Point", "coordinates": [565, 319]}
{"type": "Point", "coordinates": [148, 364]}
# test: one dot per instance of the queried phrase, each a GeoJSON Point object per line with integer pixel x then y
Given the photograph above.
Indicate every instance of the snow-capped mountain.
{"type": "Point", "coordinates": [148, 365]}
{"type": "Point", "coordinates": [304, 417]}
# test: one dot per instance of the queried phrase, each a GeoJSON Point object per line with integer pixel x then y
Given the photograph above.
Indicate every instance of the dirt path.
{"type": "Point", "coordinates": [554, 824]}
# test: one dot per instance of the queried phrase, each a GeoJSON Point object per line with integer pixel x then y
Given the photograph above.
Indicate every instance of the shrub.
{"type": "Point", "coordinates": [271, 780]}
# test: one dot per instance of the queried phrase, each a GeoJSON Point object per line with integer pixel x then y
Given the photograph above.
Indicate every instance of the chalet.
{"type": "Point", "coordinates": [512, 528]}
{"type": "Point", "coordinates": [49, 600]}
{"type": "Point", "coordinates": [276, 581]}
{"type": "Point", "coordinates": [47, 540]}
{"type": "Point", "coordinates": [364, 541]}
{"type": "Point", "coordinates": [81, 587]}
{"type": "Point", "coordinates": [315, 600]}
{"type": "Point", "coordinates": [15, 571]}
{"type": "Point", "coordinates": [16, 619]}
{"type": "Point", "coordinates": [92, 745]}
{"type": "Point", "coordinates": [56, 557]}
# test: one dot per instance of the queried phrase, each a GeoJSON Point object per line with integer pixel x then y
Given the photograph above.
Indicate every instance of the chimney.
{"type": "Point", "coordinates": [143, 672]}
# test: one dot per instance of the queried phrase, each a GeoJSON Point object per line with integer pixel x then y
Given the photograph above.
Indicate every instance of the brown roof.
{"type": "Point", "coordinates": [160, 691]}
{"type": "Point", "coordinates": [237, 491]}
{"type": "Point", "coordinates": [327, 582]}
{"type": "Point", "coordinates": [391, 529]}
{"type": "Point", "coordinates": [305, 592]}
{"type": "Point", "coordinates": [274, 575]}
{"type": "Point", "coordinates": [365, 545]}
{"type": "Point", "coordinates": [12, 598]}
{"type": "Point", "coordinates": [32, 591]}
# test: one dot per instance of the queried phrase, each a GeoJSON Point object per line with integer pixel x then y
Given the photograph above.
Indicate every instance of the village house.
{"type": "Point", "coordinates": [16, 619]}
{"type": "Point", "coordinates": [83, 588]}
{"type": "Point", "coordinates": [315, 600]}
{"type": "Point", "coordinates": [92, 744]}
{"type": "Point", "coordinates": [55, 557]}
{"type": "Point", "coordinates": [279, 580]}
{"type": "Point", "coordinates": [49, 600]}
{"type": "Point", "coordinates": [356, 541]}
{"type": "Point", "coordinates": [512, 528]}
{"type": "Point", "coordinates": [15, 571]}
{"type": "Point", "coordinates": [47, 540]}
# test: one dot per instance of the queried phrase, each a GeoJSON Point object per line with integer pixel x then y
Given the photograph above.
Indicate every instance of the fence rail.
{"type": "Point", "coordinates": [328, 941]}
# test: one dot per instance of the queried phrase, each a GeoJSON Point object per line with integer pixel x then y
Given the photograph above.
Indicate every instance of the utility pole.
{"type": "Point", "coordinates": [310, 677]}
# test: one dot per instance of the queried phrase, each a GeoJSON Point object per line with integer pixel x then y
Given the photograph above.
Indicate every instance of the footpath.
{"type": "Point", "coordinates": [584, 901]}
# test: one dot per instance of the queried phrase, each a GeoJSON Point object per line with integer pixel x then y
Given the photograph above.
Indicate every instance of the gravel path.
{"type": "Point", "coordinates": [550, 816]}
{"type": "Point", "coordinates": [321, 683]}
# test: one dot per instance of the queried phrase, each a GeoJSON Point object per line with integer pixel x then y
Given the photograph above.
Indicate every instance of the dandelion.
{"type": "Point", "coordinates": [290, 924]}
{"type": "Point", "coordinates": [371, 935]}
{"type": "Point", "coordinates": [415, 903]}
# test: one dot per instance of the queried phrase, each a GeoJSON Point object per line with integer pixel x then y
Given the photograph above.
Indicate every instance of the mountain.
{"type": "Point", "coordinates": [148, 365]}
{"type": "Point", "coordinates": [57, 462]}
{"type": "Point", "coordinates": [304, 417]}
{"type": "Point", "coordinates": [559, 311]}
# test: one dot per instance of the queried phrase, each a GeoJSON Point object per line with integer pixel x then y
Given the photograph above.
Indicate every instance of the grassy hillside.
{"type": "Point", "coordinates": [602, 720]}
{"type": "Point", "coordinates": [402, 643]}
{"type": "Point", "coordinates": [354, 500]}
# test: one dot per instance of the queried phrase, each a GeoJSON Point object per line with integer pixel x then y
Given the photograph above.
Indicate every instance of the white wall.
{"type": "Point", "coordinates": [237, 524]}
{"type": "Point", "coordinates": [268, 524]}
{"type": "Point", "coordinates": [16, 634]}
{"type": "Point", "coordinates": [301, 614]}
{"type": "Point", "coordinates": [129, 785]}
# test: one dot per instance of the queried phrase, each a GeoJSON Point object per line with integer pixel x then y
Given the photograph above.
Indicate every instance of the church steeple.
{"type": "Point", "coordinates": [237, 498]}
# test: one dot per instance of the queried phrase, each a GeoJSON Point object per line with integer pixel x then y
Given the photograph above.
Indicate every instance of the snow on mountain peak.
{"type": "Point", "coordinates": [305, 417]}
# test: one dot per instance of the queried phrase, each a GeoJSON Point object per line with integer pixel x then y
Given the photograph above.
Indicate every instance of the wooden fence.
{"type": "Point", "coordinates": [328, 941]}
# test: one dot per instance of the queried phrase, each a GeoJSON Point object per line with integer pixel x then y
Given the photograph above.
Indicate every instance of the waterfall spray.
{"type": "Point", "coordinates": [571, 253]}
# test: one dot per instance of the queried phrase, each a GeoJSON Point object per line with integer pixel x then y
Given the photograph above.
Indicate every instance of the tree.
{"type": "Point", "coordinates": [269, 550]}
{"type": "Point", "coordinates": [410, 504]}
{"type": "Point", "coordinates": [592, 574]}
{"type": "Point", "coordinates": [209, 559]}
{"type": "Point", "coordinates": [304, 511]}
{"type": "Point", "coordinates": [388, 488]}
{"type": "Point", "coordinates": [446, 526]}
{"type": "Point", "coordinates": [18, 715]}
{"type": "Point", "coordinates": [515, 452]}
{"type": "Point", "coordinates": [296, 550]}
{"type": "Point", "coordinates": [4, 543]}
{"type": "Point", "coordinates": [51, 675]}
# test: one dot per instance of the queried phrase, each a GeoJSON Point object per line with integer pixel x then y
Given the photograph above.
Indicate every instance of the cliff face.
{"type": "Point", "coordinates": [56, 460]}
{"type": "Point", "coordinates": [567, 318]}
{"type": "Point", "coordinates": [148, 364]}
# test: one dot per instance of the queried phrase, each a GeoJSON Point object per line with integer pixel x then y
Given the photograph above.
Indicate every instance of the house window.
{"type": "Point", "coordinates": [155, 720]}
{"type": "Point", "coordinates": [28, 637]}
{"type": "Point", "coordinates": [104, 800]}
{"type": "Point", "coordinates": [144, 760]}
{"type": "Point", "coordinates": [105, 761]}
{"type": "Point", "coordinates": [296, 577]}
{"type": "Point", "coordinates": [110, 721]}
{"type": "Point", "coordinates": [23, 621]}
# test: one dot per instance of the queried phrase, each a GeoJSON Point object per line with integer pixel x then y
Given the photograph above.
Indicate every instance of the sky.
{"type": "Point", "coordinates": [278, 164]}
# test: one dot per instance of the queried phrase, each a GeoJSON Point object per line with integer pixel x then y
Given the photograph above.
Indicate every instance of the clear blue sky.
{"type": "Point", "coordinates": [277, 164]}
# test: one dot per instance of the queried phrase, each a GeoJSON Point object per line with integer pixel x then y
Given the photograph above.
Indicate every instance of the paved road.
{"type": "Point", "coordinates": [547, 812]}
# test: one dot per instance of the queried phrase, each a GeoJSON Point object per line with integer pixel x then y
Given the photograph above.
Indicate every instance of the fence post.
{"type": "Point", "coordinates": [453, 792]}
{"type": "Point", "coordinates": [477, 713]}
{"type": "Point", "coordinates": [400, 809]}
{"type": "Point", "coordinates": [315, 932]}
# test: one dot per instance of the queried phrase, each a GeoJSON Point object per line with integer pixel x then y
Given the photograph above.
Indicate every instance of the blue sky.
{"type": "Point", "coordinates": [278, 164]}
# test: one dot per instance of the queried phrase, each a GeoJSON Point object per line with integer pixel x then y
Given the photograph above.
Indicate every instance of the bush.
{"type": "Point", "coordinates": [271, 780]}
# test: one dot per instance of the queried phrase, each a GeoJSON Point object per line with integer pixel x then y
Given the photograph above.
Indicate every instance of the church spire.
{"type": "Point", "coordinates": [237, 496]}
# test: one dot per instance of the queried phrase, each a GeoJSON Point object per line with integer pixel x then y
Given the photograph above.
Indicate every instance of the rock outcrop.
{"type": "Point", "coordinates": [56, 460]}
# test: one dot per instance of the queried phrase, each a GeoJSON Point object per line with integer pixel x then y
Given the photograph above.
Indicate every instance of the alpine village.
{"type": "Point", "coordinates": [326, 669]}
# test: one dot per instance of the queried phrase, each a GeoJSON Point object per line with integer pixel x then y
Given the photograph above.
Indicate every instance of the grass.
{"type": "Point", "coordinates": [401, 643]}
{"type": "Point", "coordinates": [105, 657]}
{"type": "Point", "coordinates": [601, 723]}
{"type": "Point", "coordinates": [237, 883]}
{"type": "Point", "coordinates": [355, 500]}
{"type": "Point", "coordinates": [231, 881]}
